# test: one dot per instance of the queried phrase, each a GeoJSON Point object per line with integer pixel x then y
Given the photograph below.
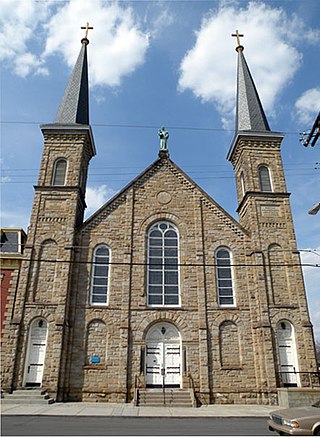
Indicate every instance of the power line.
{"type": "Point", "coordinates": [59, 261]}
{"type": "Point", "coordinates": [125, 180]}
{"type": "Point", "coordinates": [314, 251]}
{"type": "Point", "coordinates": [293, 164]}
{"type": "Point", "coordinates": [141, 126]}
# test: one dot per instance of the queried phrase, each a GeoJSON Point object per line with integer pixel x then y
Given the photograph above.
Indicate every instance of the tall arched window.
{"type": "Point", "coordinates": [100, 276]}
{"type": "Point", "coordinates": [224, 277]}
{"type": "Point", "coordinates": [264, 178]}
{"type": "Point", "coordinates": [59, 172]}
{"type": "Point", "coordinates": [163, 260]}
{"type": "Point", "coordinates": [243, 183]}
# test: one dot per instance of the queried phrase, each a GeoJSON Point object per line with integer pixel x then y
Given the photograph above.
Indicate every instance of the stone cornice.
{"type": "Point", "coordinates": [261, 194]}
{"type": "Point", "coordinates": [264, 138]}
{"type": "Point", "coordinates": [54, 130]}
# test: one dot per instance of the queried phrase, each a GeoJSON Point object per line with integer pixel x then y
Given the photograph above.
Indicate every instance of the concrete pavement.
{"type": "Point", "coordinates": [125, 410]}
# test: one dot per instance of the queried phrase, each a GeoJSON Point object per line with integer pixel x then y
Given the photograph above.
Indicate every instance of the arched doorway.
{"type": "Point", "coordinates": [163, 363]}
{"type": "Point", "coordinates": [36, 353]}
{"type": "Point", "coordinates": [287, 354]}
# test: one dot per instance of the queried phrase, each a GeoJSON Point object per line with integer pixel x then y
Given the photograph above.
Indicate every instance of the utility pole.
{"type": "Point", "coordinates": [313, 135]}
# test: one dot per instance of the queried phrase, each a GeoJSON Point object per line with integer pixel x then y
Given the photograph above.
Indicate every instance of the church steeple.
{"type": "Point", "coordinates": [250, 115]}
{"type": "Point", "coordinates": [255, 150]}
{"type": "Point", "coordinates": [69, 143]}
{"type": "Point", "coordinates": [74, 107]}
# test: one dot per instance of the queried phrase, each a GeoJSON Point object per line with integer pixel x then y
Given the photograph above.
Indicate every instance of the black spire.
{"type": "Point", "coordinates": [74, 107]}
{"type": "Point", "coordinates": [250, 115]}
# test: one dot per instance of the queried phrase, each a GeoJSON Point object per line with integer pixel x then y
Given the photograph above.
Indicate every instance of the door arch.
{"type": "Point", "coordinates": [36, 353]}
{"type": "Point", "coordinates": [163, 361]}
{"type": "Point", "coordinates": [287, 354]}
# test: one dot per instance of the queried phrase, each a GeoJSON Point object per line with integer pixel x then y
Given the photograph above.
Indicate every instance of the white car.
{"type": "Point", "coordinates": [296, 421]}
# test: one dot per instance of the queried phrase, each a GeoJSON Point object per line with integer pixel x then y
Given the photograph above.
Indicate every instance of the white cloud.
{"type": "Point", "coordinates": [27, 63]}
{"type": "Point", "coordinates": [96, 197]}
{"type": "Point", "coordinates": [308, 105]}
{"type": "Point", "coordinates": [273, 60]}
{"type": "Point", "coordinates": [15, 218]}
{"type": "Point", "coordinates": [4, 179]}
{"type": "Point", "coordinates": [158, 17]}
{"type": "Point", "coordinates": [19, 23]}
{"type": "Point", "coordinates": [312, 281]}
{"type": "Point", "coordinates": [31, 31]}
{"type": "Point", "coordinates": [118, 44]}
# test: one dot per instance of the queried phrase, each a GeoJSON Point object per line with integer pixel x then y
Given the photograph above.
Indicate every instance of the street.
{"type": "Point", "coordinates": [135, 426]}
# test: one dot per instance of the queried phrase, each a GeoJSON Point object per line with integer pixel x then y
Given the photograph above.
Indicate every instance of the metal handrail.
{"type": "Point", "coordinates": [295, 372]}
{"type": "Point", "coordinates": [137, 385]}
{"type": "Point", "coordinates": [191, 385]}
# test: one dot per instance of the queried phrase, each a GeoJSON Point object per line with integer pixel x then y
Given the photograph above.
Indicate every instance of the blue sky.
{"type": "Point", "coordinates": [163, 63]}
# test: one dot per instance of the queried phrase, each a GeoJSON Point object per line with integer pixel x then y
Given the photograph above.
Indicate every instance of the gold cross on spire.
{"type": "Point", "coordinates": [86, 28]}
{"type": "Point", "coordinates": [238, 36]}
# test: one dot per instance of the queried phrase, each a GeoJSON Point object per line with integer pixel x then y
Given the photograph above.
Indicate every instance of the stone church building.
{"type": "Point", "coordinates": [161, 287]}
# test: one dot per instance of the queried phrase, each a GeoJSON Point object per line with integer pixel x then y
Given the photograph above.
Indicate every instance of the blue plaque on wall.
{"type": "Point", "coordinates": [95, 359]}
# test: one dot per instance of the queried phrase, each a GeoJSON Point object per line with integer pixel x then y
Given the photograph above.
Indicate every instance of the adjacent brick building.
{"type": "Point", "coordinates": [161, 285]}
{"type": "Point", "coordinates": [11, 251]}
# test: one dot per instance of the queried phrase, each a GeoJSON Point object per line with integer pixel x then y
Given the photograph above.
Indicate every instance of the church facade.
{"type": "Point", "coordinates": [161, 286]}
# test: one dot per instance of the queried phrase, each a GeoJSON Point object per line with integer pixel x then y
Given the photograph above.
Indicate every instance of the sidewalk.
{"type": "Point", "coordinates": [108, 409]}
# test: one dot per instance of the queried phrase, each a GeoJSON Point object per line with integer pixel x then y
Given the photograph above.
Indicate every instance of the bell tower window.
{"type": "Point", "coordinates": [264, 178]}
{"type": "Point", "coordinates": [243, 184]}
{"type": "Point", "coordinates": [59, 172]}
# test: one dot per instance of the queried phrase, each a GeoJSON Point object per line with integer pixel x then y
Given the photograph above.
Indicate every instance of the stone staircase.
{"type": "Point", "coordinates": [171, 398]}
{"type": "Point", "coordinates": [27, 396]}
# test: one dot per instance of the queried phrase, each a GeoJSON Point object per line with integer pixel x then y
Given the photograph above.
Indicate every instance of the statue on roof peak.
{"type": "Point", "coordinates": [163, 135]}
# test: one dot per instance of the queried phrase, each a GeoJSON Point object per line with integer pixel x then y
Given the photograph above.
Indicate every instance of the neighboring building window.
{"type": "Point", "coordinates": [59, 172]}
{"type": "Point", "coordinates": [9, 242]}
{"type": "Point", "coordinates": [100, 276]}
{"type": "Point", "coordinates": [264, 178]}
{"type": "Point", "coordinates": [224, 277]}
{"type": "Point", "coordinates": [163, 260]}
{"type": "Point", "coordinates": [243, 184]}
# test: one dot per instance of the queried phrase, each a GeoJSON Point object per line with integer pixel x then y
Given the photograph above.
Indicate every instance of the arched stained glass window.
{"type": "Point", "coordinates": [224, 277]}
{"type": "Point", "coordinates": [163, 269]}
{"type": "Point", "coordinates": [59, 172]}
{"type": "Point", "coordinates": [100, 276]}
{"type": "Point", "coordinates": [264, 178]}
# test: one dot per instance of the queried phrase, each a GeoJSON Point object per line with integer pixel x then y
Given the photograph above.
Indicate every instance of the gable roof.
{"type": "Point", "coordinates": [163, 161]}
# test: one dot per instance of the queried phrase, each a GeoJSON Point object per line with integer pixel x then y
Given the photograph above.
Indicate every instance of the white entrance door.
{"type": "Point", "coordinates": [287, 355]}
{"type": "Point", "coordinates": [154, 364]}
{"type": "Point", "coordinates": [163, 357]}
{"type": "Point", "coordinates": [163, 365]}
{"type": "Point", "coordinates": [172, 364]}
{"type": "Point", "coordinates": [36, 353]}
